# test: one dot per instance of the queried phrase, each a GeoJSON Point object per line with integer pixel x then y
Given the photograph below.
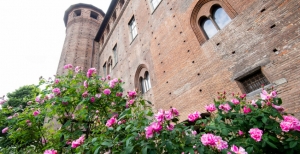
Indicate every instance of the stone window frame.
{"type": "Point", "coordinates": [132, 29]}
{"type": "Point", "coordinates": [203, 9]}
{"type": "Point", "coordinates": [142, 84]}
{"type": "Point", "coordinates": [115, 54]}
{"type": "Point", "coordinates": [76, 12]}
{"type": "Point", "coordinates": [94, 15]}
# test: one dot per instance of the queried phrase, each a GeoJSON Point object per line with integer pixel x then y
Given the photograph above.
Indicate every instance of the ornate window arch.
{"type": "Point", "coordinates": [204, 17]}
{"type": "Point", "coordinates": [142, 79]}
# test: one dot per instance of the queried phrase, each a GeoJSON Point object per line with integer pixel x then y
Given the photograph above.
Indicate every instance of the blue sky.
{"type": "Point", "coordinates": [32, 34]}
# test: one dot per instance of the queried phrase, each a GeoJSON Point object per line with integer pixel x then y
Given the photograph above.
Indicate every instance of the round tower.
{"type": "Point", "coordinates": [82, 23]}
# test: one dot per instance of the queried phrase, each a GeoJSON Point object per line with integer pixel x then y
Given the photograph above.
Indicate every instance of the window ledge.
{"type": "Point", "coordinates": [133, 39]}
{"type": "Point", "coordinates": [258, 91]}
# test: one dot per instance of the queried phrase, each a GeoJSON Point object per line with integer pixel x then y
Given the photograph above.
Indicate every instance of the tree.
{"type": "Point", "coordinates": [22, 95]}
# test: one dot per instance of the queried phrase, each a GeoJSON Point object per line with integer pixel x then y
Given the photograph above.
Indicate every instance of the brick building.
{"type": "Point", "coordinates": [180, 53]}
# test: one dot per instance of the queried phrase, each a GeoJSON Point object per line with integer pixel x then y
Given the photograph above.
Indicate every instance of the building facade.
{"type": "Point", "coordinates": [180, 53]}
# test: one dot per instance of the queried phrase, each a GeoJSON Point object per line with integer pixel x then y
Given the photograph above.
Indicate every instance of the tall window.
{"type": "Point", "coordinates": [115, 54]}
{"type": "Point", "coordinates": [133, 29]}
{"type": "Point", "coordinates": [109, 66]}
{"type": "Point", "coordinates": [155, 3]}
{"type": "Point", "coordinates": [145, 84]}
{"type": "Point", "coordinates": [104, 69]}
{"type": "Point", "coordinates": [254, 81]}
{"type": "Point", "coordinates": [215, 22]}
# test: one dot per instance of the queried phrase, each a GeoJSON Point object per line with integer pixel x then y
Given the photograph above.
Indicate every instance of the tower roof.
{"type": "Point", "coordinates": [72, 7]}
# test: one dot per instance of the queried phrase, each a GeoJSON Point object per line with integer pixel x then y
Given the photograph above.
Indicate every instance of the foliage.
{"type": "Point", "coordinates": [84, 113]}
{"type": "Point", "coordinates": [22, 95]}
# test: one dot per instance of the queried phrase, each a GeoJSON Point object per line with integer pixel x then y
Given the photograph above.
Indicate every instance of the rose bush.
{"type": "Point", "coordinates": [81, 112]}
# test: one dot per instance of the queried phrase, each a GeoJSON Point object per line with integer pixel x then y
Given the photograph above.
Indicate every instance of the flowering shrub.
{"type": "Point", "coordinates": [82, 112]}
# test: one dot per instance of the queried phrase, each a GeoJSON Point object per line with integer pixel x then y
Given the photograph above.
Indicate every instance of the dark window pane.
{"type": "Point", "coordinates": [254, 81]}
{"type": "Point", "coordinates": [221, 17]}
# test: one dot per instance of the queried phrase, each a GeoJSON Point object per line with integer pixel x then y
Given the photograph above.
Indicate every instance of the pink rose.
{"type": "Point", "coordinates": [174, 111]}
{"type": "Point", "coordinates": [225, 107]}
{"type": "Point", "coordinates": [246, 110]}
{"type": "Point", "coordinates": [108, 77]}
{"type": "Point", "coordinates": [85, 94]}
{"type": "Point", "coordinates": [253, 103]}
{"type": "Point", "coordinates": [37, 99]}
{"type": "Point", "coordinates": [157, 127]}
{"type": "Point", "coordinates": [98, 95]}
{"type": "Point", "coordinates": [241, 133]}
{"type": "Point", "coordinates": [111, 122]}
{"type": "Point", "coordinates": [107, 91]}
{"type": "Point", "coordinates": [220, 144]}
{"type": "Point", "coordinates": [35, 113]}
{"type": "Point", "coordinates": [2, 102]}
{"type": "Point", "coordinates": [90, 72]}
{"type": "Point", "coordinates": [235, 101]}
{"type": "Point", "coordinates": [119, 94]}
{"type": "Point", "coordinates": [256, 134]}
{"type": "Point", "coordinates": [56, 91]}
{"type": "Point", "coordinates": [149, 132]}
{"type": "Point", "coordinates": [78, 142]}
{"type": "Point", "coordinates": [194, 116]}
{"type": "Point", "coordinates": [5, 130]}
{"type": "Point", "coordinates": [168, 115]}
{"type": "Point", "coordinates": [132, 94]}
{"type": "Point", "coordinates": [77, 69]}
{"type": "Point", "coordinates": [210, 107]}
{"type": "Point", "coordinates": [265, 96]}
{"type": "Point", "coordinates": [243, 96]}
{"type": "Point", "coordinates": [286, 126]}
{"type": "Point", "coordinates": [194, 132]}
{"type": "Point", "coordinates": [68, 66]}
{"type": "Point", "coordinates": [208, 139]}
{"type": "Point", "coordinates": [160, 115]}
{"type": "Point", "coordinates": [238, 150]}
{"type": "Point", "coordinates": [56, 81]}
{"type": "Point", "coordinates": [278, 108]}
{"type": "Point", "coordinates": [170, 127]}
{"type": "Point", "coordinates": [85, 84]}
{"type": "Point", "coordinates": [52, 151]}
{"type": "Point", "coordinates": [92, 99]}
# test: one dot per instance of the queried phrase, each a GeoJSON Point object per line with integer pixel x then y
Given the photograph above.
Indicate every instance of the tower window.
{"type": "Point", "coordinates": [121, 3]}
{"type": "Point", "coordinates": [114, 16]}
{"type": "Point", "coordinates": [109, 69]}
{"type": "Point", "coordinates": [155, 3]}
{"type": "Point", "coordinates": [115, 54]}
{"type": "Point", "coordinates": [77, 13]}
{"type": "Point", "coordinates": [254, 81]}
{"type": "Point", "coordinates": [133, 29]}
{"type": "Point", "coordinates": [216, 21]}
{"type": "Point", "coordinates": [94, 15]}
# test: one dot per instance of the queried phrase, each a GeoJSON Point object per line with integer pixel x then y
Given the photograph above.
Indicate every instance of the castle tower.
{"type": "Point", "coordinates": [82, 23]}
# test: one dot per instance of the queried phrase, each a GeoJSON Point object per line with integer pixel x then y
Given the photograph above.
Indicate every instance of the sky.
{"type": "Point", "coordinates": [32, 34]}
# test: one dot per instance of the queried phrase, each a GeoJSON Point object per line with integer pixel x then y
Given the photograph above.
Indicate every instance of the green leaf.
{"type": "Point", "coordinates": [225, 132]}
{"type": "Point", "coordinates": [94, 139]}
{"type": "Point", "coordinates": [271, 144]}
{"type": "Point", "coordinates": [97, 150]}
{"type": "Point", "coordinates": [264, 120]}
{"type": "Point", "coordinates": [290, 139]}
{"type": "Point", "coordinates": [106, 143]}
{"type": "Point", "coordinates": [144, 150]}
{"type": "Point", "coordinates": [293, 144]}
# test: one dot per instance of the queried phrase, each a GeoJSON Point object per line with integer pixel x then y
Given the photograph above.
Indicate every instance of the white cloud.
{"type": "Point", "coordinates": [32, 34]}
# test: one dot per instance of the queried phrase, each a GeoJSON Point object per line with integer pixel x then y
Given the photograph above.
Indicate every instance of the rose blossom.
{"type": "Point", "coordinates": [194, 116]}
{"type": "Point", "coordinates": [85, 94]}
{"type": "Point", "coordinates": [4, 130]}
{"type": "Point", "coordinates": [278, 108]}
{"type": "Point", "coordinates": [210, 107]}
{"type": "Point", "coordinates": [149, 132]}
{"type": "Point", "coordinates": [286, 126]}
{"type": "Point", "coordinates": [77, 69]}
{"type": "Point", "coordinates": [35, 113]}
{"type": "Point", "coordinates": [168, 115]}
{"type": "Point", "coordinates": [85, 84]}
{"type": "Point", "coordinates": [92, 99]}
{"type": "Point", "coordinates": [10, 117]}
{"type": "Point", "coordinates": [160, 115]}
{"type": "Point", "coordinates": [52, 151]}
{"type": "Point", "coordinates": [220, 144]}
{"type": "Point", "coordinates": [265, 96]}
{"type": "Point", "coordinates": [97, 111]}
{"type": "Point", "coordinates": [170, 127]}
{"type": "Point", "coordinates": [108, 77]}
{"type": "Point", "coordinates": [90, 72]}
{"type": "Point", "coordinates": [37, 99]}
{"type": "Point", "coordinates": [119, 94]}
{"type": "Point", "coordinates": [238, 150]}
{"type": "Point", "coordinates": [68, 66]}
{"type": "Point", "coordinates": [235, 101]}
{"type": "Point", "coordinates": [174, 111]}
{"type": "Point", "coordinates": [208, 139]}
{"type": "Point", "coordinates": [225, 107]}
{"type": "Point", "coordinates": [78, 142]}
{"type": "Point", "coordinates": [56, 91]}
{"type": "Point", "coordinates": [194, 132]}
{"type": "Point", "coordinates": [157, 127]}
{"type": "Point", "coordinates": [131, 94]}
{"type": "Point", "coordinates": [246, 110]}
{"type": "Point", "coordinates": [243, 96]}
{"type": "Point", "coordinates": [56, 81]}
{"type": "Point", "coordinates": [241, 133]}
{"type": "Point", "coordinates": [113, 83]}
{"type": "Point", "coordinates": [107, 91]}
{"type": "Point", "coordinates": [256, 134]}
{"type": "Point", "coordinates": [111, 122]}
{"type": "Point", "coordinates": [2, 102]}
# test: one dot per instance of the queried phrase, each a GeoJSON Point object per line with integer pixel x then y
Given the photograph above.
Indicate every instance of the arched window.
{"type": "Point", "coordinates": [210, 16]}
{"type": "Point", "coordinates": [104, 69]}
{"type": "Point", "coordinates": [121, 3]}
{"type": "Point", "coordinates": [220, 16]}
{"type": "Point", "coordinates": [142, 79]}
{"type": "Point", "coordinates": [208, 27]}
